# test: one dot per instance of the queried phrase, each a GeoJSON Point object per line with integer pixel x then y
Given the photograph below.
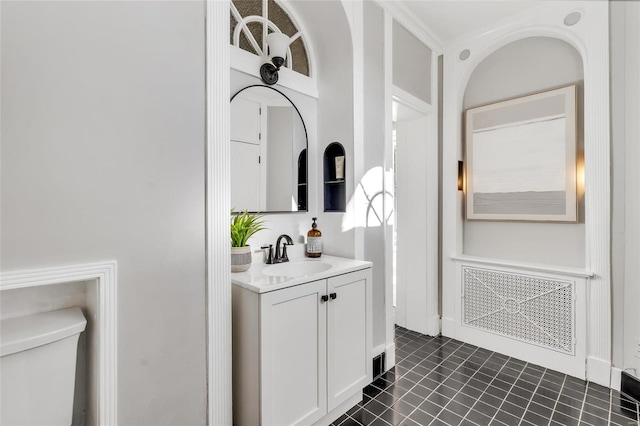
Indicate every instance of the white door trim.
{"type": "Point", "coordinates": [218, 285]}
{"type": "Point", "coordinates": [390, 356]}
{"type": "Point", "coordinates": [105, 273]}
{"type": "Point", "coordinates": [430, 324]}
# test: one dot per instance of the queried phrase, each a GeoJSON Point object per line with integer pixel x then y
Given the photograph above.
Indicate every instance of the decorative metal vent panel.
{"type": "Point", "coordinates": [536, 310]}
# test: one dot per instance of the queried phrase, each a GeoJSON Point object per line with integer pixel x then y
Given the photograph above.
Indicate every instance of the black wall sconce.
{"type": "Point", "coordinates": [277, 44]}
{"type": "Point", "coordinates": [460, 175]}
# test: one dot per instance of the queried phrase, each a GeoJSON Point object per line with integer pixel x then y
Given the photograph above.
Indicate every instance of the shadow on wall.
{"type": "Point", "coordinates": [372, 203]}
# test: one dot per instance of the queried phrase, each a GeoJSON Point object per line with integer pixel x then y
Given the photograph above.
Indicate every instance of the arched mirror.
{"type": "Point", "coordinates": [268, 152]}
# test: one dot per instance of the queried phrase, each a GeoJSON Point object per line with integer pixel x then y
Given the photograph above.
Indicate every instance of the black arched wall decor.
{"type": "Point", "coordinates": [335, 191]}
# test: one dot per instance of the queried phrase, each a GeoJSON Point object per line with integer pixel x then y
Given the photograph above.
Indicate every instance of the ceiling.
{"type": "Point", "coordinates": [448, 20]}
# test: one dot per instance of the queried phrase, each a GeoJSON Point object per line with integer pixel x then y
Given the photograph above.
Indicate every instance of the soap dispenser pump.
{"type": "Point", "coordinates": [314, 240]}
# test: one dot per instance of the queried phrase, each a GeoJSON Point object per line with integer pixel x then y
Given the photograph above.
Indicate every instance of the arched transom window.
{"type": "Point", "coordinates": [252, 20]}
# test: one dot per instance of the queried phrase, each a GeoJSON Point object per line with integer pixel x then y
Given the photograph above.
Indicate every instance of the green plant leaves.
{"type": "Point", "coordinates": [243, 226]}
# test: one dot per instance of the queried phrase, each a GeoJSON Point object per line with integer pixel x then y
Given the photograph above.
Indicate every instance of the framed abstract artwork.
{"type": "Point", "coordinates": [521, 158]}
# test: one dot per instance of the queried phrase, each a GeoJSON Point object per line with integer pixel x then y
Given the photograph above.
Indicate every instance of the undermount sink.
{"type": "Point", "coordinates": [299, 268]}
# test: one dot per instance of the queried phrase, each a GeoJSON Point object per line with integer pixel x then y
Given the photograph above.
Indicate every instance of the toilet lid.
{"type": "Point", "coordinates": [20, 334]}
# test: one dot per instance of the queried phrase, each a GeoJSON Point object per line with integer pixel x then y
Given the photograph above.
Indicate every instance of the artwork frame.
{"type": "Point", "coordinates": [520, 158]}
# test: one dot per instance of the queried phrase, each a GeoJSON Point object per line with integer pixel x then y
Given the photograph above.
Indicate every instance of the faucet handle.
{"type": "Point", "coordinates": [284, 257]}
{"type": "Point", "coordinates": [269, 253]}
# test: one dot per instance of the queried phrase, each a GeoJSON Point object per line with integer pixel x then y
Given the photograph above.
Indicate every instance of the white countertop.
{"type": "Point", "coordinates": [256, 281]}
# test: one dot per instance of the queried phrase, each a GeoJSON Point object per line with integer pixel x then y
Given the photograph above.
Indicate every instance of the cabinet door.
{"type": "Point", "coordinates": [294, 348]}
{"type": "Point", "coordinates": [348, 336]}
{"type": "Point", "coordinates": [245, 177]}
{"type": "Point", "coordinates": [246, 117]}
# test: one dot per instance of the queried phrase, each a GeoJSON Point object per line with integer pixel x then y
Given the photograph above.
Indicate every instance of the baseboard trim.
{"type": "Point", "coordinates": [616, 378]}
{"type": "Point", "coordinates": [378, 350]}
{"type": "Point", "coordinates": [448, 327]}
{"type": "Point", "coordinates": [434, 326]}
{"type": "Point", "coordinates": [599, 371]}
{"type": "Point", "coordinates": [390, 356]}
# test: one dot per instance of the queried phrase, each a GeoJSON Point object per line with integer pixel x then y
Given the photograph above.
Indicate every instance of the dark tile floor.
{"type": "Point", "coordinates": [441, 381]}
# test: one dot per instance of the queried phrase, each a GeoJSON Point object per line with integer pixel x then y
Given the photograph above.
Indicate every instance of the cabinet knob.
{"type": "Point", "coordinates": [333, 296]}
{"type": "Point", "coordinates": [324, 298]}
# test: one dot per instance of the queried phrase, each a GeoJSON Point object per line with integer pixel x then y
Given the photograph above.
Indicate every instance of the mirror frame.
{"type": "Point", "coordinates": [306, 135]}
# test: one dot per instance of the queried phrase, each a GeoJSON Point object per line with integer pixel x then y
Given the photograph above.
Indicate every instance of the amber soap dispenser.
{"type": "Point", "coordinates": [314, 240]}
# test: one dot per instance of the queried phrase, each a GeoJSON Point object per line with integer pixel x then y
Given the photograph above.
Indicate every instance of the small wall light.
{"type": "Point", "coordinates": [277, 44]}
{"type": "Point", "coordinates": [580, 174]}
{"type": "Point", "coordinates": [460, 176]}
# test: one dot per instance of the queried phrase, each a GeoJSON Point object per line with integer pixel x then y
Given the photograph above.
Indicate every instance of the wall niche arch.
{"type": "Point", "coordinates": [590, 38]}
{"type": "Point", "coordinates": [519, 68]}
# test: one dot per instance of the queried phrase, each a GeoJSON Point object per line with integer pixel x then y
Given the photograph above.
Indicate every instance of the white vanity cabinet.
{"type": "Point", "coordinates": [301, 354]}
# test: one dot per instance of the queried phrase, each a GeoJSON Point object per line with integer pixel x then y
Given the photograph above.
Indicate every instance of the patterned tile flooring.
{"type": "Point", "coordinates": [441, 381]}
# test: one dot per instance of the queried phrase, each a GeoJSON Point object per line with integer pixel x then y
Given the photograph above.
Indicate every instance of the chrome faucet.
{"type": "Point", "coordinates": [278, 258]}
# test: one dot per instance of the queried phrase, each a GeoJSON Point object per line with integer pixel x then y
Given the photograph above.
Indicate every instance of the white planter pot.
{"type": "Point", "coordinates": [240, 258]}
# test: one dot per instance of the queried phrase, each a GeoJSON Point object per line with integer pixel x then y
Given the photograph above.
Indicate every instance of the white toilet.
{"type": "Point", "coordinates": [38, 367]}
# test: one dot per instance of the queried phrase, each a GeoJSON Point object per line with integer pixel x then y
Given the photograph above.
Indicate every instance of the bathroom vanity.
{"type": "Point", "coordinates": [301, 340]}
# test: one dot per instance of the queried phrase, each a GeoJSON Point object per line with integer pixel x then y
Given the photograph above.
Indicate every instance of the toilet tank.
{"type": "Point", "coordinates": [38, 367]}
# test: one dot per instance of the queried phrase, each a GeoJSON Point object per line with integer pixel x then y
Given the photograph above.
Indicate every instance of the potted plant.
{"type": "Point", "coordinates": [243, 226]}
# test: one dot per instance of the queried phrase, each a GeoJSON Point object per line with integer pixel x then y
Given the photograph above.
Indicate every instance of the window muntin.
{"type": "Point", "coordinates": [251, 20]}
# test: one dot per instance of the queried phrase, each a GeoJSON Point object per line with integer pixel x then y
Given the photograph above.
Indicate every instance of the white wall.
{"type": "Point", "coordinates": [625, 119]}
{"type": "Point", "coordinates": [374, 149]}
{"type": "Point", "coordinates": [411, 63]}
{"type": "Point", "coordinates": [523, 67]}
{"type": "Point", "coordinates": [103, 139]}
{"type": "Point", "coordinates": [329, 30]}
